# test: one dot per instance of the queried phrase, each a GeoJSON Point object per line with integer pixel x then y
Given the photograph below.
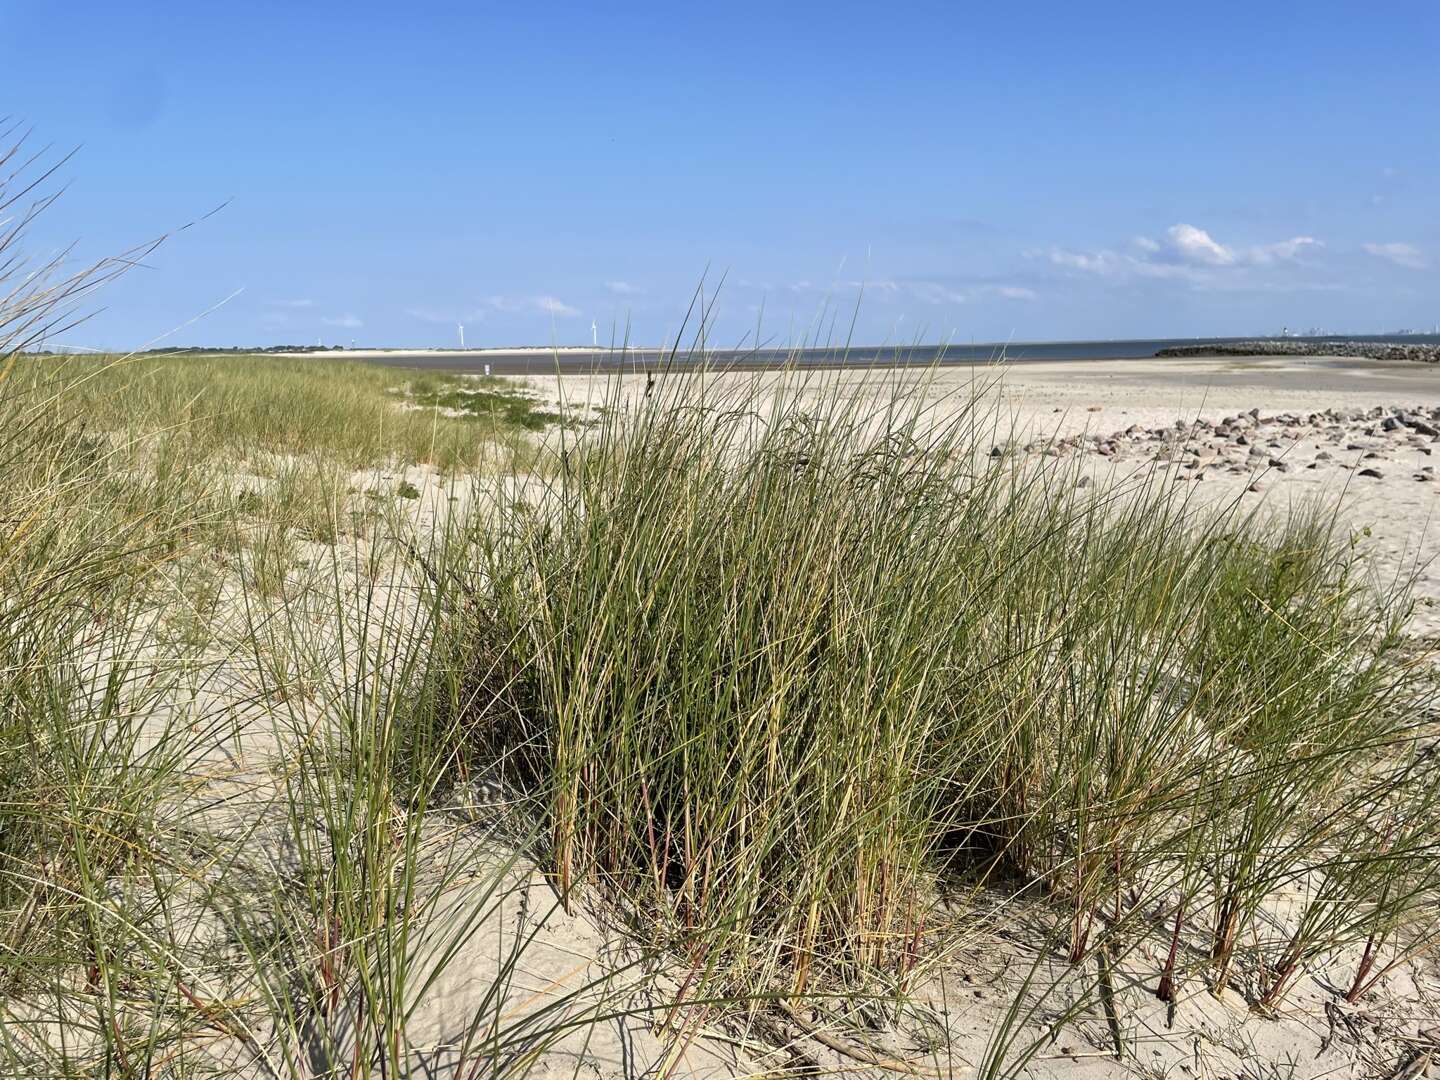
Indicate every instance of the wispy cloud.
{"type": "Point", "coordinates": [347, 321]}
{"type": "Point", "coordinates": [1401, 254]}
{"type": "Point", "coordinates": [548, 305]}
{"type": "Point", "coordinates": [552, 306]}
{"type": "Point", "coordinates": [1186, 252]}
{"type": "Point", "coordinates": [930, 292]}
{"type": "Point", "coordinates": [624, 288]}
{"type": "Point", "coordinates": [294, 305]}
{"type": "Point", "coordinates": [488, 305]}
{"type": "Point", "coordinates": [926, 292]}
{"type": "Point", "coordinates": [1283, 251]}
{"type": "Point", "coordinates": [1016, 292]}
{"type": "Point", "coordinates": [450, 318]}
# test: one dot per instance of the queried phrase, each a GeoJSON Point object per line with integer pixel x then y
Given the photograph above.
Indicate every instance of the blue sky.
{"type": "Point", "coordinates": [989, 171]}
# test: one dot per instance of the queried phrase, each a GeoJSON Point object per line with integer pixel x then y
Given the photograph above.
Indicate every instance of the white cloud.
{"type": "Point", "coordinates": [348, 321]}
{"type": "Point", "coordinates": [1401, 254]}
{"type": "Point", "coordinates": [293, 304]}
{"type": "Point", "coordinates": [624, 288]}
{"type": "Point", "coordinates": [1196, 245]}
{"type": "Point", "coordinates": [1187, 253]}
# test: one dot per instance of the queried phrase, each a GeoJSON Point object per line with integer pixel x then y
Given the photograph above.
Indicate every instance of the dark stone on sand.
{"type": "Point", "coordinates": [1373, 473]}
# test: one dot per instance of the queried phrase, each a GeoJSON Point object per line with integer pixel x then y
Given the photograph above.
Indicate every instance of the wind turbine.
{"type": "Point", "coordinates": [594, 334]}
{"type": "Point", "coordinates": [461, 328]}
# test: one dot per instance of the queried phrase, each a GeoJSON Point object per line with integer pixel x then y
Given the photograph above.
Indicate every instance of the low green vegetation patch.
{"type": "Point", "coordinates": [492, 399]}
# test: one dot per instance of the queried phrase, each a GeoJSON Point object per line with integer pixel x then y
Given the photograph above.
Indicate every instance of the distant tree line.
{"type": "Point", "coordinates": [211, 349]}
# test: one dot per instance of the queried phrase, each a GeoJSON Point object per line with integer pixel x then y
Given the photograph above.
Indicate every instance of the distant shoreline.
{"type": "Point", "coordinates": [544, 360]}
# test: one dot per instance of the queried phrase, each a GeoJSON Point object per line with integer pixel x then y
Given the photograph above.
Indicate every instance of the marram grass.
{"type": "Point", "coordinates": [779, 666]}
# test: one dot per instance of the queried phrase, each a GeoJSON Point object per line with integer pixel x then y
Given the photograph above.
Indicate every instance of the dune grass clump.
{"type": "Point", "coordinates": [779, 666]}
{"type": "Point", "coordinates": [237, 405]}
{"type": "Point", "coordinates": [172, 903]}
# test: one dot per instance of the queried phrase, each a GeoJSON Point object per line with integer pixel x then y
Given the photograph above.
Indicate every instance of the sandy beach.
{"type": "Point", "coordinates": [1263, 433]}
{"type": "Point", "coordinates": [1090, 405]}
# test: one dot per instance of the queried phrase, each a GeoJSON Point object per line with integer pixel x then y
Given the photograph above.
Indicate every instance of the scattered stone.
{"type": "Point", "coordinates": [1373, 473]}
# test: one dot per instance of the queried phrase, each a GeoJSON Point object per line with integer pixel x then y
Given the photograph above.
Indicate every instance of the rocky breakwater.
{"type": "Point", "coordinates": [1372, 443]}
{"type": "Point", "coordinates": [1373, 350]}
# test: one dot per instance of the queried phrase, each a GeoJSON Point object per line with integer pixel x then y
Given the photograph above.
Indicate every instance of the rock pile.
{"type": "Point", "coordinates": [1363, 440]}
{"type": "Point", "coordinates": [1374, 350]}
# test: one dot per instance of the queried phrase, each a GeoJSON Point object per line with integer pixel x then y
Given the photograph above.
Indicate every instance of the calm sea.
{"type": "Point", "coordinates": [502, 362]}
